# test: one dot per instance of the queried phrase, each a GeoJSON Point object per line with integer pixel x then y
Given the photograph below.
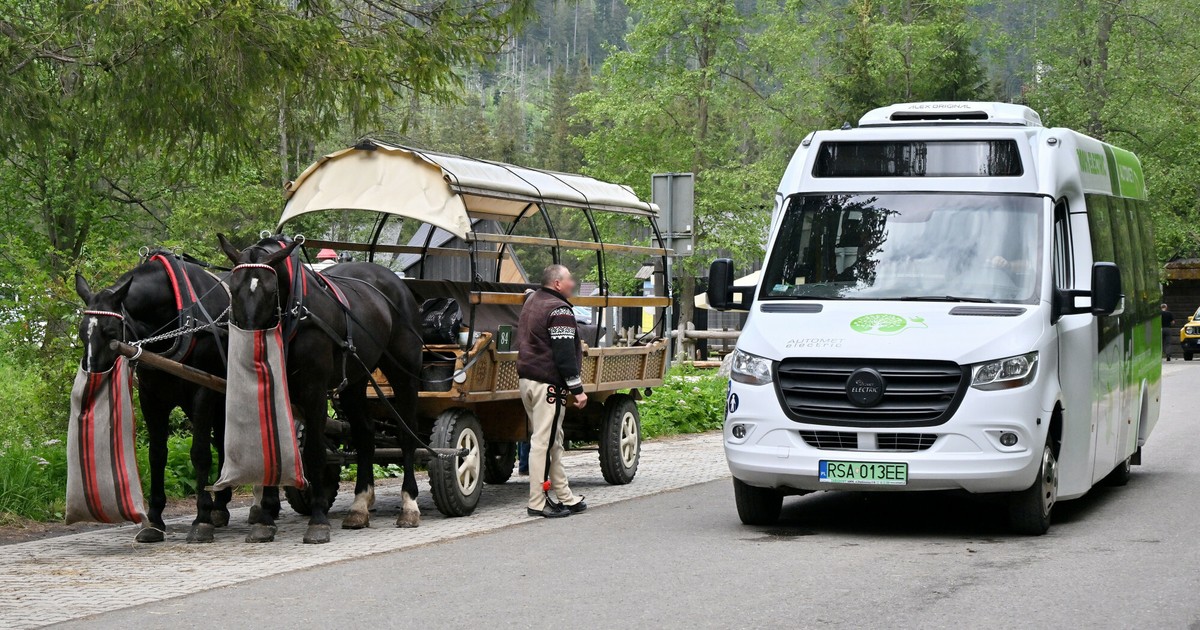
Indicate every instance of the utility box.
{"type": "Point", "coordinates": [675, 196]}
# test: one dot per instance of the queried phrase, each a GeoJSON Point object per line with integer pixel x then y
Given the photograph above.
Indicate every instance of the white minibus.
{"type": "Point", "coordinates": [954, 298]}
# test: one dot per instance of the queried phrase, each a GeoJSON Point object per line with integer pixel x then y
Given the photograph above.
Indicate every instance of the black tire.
{"type": "Point", "coordinates": [457, 494]}
{"type": "Point", "coordinates": [498, 465]}
{"type": "Point", "coordinates": [299, 500]}
{"type": "Point", "coordinates": [1120, 475]}
{"type": "Point", "coordinates": [1029, 510]}
{"type": "Point", "coordinates": [757, 506]}
{"type": "Point", "coordinates": [620, 440]}
{"type": "Point", "coordinates": [1187, 356]}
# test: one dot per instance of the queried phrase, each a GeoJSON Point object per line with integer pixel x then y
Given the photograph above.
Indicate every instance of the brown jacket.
{"type": "Point", "coordinates": [548, 341]}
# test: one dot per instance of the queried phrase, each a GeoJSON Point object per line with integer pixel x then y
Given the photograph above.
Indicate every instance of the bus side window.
{"type": "Point", "coordinates": [1064, 270]}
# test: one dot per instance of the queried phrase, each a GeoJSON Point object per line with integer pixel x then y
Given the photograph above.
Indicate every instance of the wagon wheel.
{"type": "Point", "coordinates": [457, 482]}
{"type": "Point", "coordinates": [620, 439]}
{"type": "Point", "coordinates": [498, 465]}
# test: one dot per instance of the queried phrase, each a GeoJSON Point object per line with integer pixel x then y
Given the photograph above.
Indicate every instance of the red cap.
{"type": "Point", "coordinates": [326, 254]}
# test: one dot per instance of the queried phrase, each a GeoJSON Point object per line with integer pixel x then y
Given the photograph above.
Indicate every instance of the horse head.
{"type": "Point", "coordinates": [103, 322]}
{"type": "Point", "coordinates": [259, 284]}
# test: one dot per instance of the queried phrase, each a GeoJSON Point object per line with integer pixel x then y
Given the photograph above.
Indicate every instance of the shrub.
{"type": "Point", "coordinates": [33, 479]}
{"type": "Point", "coordinates": [689, 401]}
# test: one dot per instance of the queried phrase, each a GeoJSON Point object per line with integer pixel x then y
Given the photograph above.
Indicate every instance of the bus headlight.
{"type": "Point", "coordinates": [750, 369]}
{"type": "Point", "coordinates": [1005, 373]}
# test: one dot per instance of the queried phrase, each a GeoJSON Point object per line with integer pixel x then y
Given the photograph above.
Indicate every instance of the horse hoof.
{"type": "Point", "coordinates": [356, 520]}
{"type": "Point", "coordinates": [316, 535]}
{"type": "Point", "coordinates": [260, 533]}
{"type": "Point", "coordinates": [152, 534]}
{"type": "Point", "coordinates": [201, 533]}
{"type": "Point", "coordinates": [408, 520]}
{"type": "Point", "coordinates": [220, 518]}
{"type": "Point", "coordinates": [256, 514]}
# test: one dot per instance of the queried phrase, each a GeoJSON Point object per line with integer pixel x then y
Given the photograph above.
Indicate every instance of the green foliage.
{"type": "Point", "coordinates": [390, 471]}
{"type": "Point", "coordinates": [33, 478]}
{"type": "Point", "coordinates": [690, 401]}
{"type": "Point", "coordinates": [1125, 72]}
{"type": "Point", "coordinates": [895, 51]}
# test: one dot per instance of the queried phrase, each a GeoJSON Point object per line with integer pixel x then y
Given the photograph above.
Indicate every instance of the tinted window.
{"type": "Point", "coordinates": [974, 158]}
{"type": "Point", "coordinates": [907, 246]}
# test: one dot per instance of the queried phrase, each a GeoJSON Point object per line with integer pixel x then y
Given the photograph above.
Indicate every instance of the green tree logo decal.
{"type": "Point", "coordinates": [885, 324]}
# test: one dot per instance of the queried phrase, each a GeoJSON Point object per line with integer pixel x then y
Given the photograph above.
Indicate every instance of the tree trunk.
{"type": "Point", "coordinates": [283, 139]}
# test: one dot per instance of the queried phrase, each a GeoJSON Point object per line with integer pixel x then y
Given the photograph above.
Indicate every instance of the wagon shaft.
{"type": "Point", "coordinates": [185, 372]}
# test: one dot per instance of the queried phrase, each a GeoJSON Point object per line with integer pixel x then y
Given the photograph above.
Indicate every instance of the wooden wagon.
{"type": "Point", "coordinates": [476, 213]}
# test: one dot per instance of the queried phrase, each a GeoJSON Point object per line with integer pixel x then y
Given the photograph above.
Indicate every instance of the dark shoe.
{"type": "Point", "coordinates": [549, 512]}
{"type": "Point", "coordinates": [577, 508]}
{"type": "Point", "coordinates": [524, 472]}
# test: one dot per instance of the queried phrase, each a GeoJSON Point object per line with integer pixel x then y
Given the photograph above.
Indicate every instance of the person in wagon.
{"type": "Point", "coordinates": [549, 364]}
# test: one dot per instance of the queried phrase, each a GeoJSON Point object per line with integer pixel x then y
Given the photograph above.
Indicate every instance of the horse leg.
{"type": "Point", "coordinates": [157, 415]}
{"type": "Point", "coordinates": [362, 431]}
{"type": "Point", "coordinates": [406, 405]}
{"type": "Point", "coordinates": [313, 406]}
{"type": "Point", "coordinates": [262, 524]}
{"type": "Point", "coordinates": [263, 513]}
{"type": "Point", "coordinates": [220, 512]}
{"type": "Point", "coordinates": [202, 423]}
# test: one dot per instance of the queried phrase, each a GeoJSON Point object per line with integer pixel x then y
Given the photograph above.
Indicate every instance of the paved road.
{"type": "Point", "coordinates": [1118, 558]}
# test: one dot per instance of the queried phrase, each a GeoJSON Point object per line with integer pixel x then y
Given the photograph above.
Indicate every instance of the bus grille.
{"type": "Point", "coordinates": [830, 440]}
{"type": "Point", "coordinates": [918, 393]}
{"type": "Point", "coordinates": [846, 441]}
{"type": "Point", "coordinates": [904, 442]}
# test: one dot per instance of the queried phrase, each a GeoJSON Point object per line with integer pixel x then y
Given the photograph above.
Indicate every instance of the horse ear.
{"type": "Point", "coordinates": [121, 289]}
{"type": "Point", "coordinates": [234, 254]}
{"type": "Point", "coordinates": [82, 288]}
{"type": "Point", "coordinates": [281, 254]}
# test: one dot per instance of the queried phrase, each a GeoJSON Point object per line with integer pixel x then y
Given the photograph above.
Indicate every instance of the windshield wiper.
{"type": "Point", "coordinates": [945, 298]}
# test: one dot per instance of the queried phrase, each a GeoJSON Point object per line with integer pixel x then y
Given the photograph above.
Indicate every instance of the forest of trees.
{"type": "Point", "coordinates": [159, 123]}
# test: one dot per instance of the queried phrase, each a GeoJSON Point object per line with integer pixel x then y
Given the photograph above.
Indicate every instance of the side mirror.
{"type": "Point", "coordinates": [720, 284]}
{"type": "Point", "coordinates": [1106, 289]}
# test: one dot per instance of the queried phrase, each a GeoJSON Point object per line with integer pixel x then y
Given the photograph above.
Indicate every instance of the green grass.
{"type": "Point", "coordinates": [689, 401]}
{"type": "Point", "coordinates": [33, 479]}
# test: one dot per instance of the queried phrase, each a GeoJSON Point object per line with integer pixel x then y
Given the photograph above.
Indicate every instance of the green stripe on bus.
{"type": "Point", "coordinates": [1112, 170]}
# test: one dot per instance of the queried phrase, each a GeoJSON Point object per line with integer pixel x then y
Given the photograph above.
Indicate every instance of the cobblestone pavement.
{"type": "Point", "coordinates": [49, 581]}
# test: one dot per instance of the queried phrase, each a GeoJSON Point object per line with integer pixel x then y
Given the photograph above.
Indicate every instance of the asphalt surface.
{"type": "Point", "coordinates": [1117, 558]}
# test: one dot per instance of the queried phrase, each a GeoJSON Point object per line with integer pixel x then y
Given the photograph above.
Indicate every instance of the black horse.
{"type": "Point", "coordinates": [330, 350]}
{"type": "Point", "coordinates": [166, 294]}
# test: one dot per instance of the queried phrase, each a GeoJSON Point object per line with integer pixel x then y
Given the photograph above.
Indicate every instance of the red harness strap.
{"type": "Point", "coordinates": [179, 302]}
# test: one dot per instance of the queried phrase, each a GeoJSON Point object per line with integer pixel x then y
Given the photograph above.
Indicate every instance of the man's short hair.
{"type": "Point", "coordinates": [553, 273]}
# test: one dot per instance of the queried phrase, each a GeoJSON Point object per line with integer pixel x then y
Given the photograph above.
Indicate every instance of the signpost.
{"type": "Point", "coordinates": [675, 196]}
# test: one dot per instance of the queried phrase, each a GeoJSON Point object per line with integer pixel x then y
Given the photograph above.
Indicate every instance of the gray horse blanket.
{"type": "Point", "coordinates": [261, 448]}
{"type": "Point", "coordinates": [102, 476]}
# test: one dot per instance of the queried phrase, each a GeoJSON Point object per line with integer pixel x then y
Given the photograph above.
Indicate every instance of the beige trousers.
{"type": "Point", "coordinates": [541, 415]}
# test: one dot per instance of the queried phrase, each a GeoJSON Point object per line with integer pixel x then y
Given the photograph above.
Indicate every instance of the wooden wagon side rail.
{"type": "Point", "coordinates": [482, 237]}
{"type": "Point", "coordinates": [517, 299]}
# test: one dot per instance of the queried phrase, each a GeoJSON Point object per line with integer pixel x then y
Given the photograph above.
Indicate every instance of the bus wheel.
{"type": "Point", "coordinates": [1029, 509]}
{"type": "Point", "coordinates": [757, 506]}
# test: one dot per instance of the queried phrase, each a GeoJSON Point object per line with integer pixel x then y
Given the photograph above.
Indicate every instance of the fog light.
{"type": "Point", "coordinates": [739, 431]}
{"type": "Point", "coordinates": [1008, 438]}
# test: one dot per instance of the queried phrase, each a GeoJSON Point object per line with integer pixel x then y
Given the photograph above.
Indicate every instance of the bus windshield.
{"type": "Point", "coordinates": [897, 246]}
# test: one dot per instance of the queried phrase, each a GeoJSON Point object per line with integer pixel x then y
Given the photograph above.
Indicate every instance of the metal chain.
{"type": "Point", "coordinates": [179, 332]}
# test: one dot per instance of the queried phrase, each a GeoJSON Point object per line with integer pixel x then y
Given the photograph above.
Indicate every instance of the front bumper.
{"type": "Point", "coordinates": [966, 455]}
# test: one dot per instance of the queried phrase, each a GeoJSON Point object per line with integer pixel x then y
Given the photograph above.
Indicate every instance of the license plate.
{"type": "Point", "coordinates": [871, 473]}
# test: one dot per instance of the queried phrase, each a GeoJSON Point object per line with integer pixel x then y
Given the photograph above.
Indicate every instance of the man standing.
{"type": "Point", "coordinates": [548, 363]}
{"type": "Point", "coordinates": [1168, 320]}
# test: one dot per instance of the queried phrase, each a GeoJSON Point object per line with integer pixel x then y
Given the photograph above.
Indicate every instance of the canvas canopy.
{"type": "Point", "coordinates": [445, 191]}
